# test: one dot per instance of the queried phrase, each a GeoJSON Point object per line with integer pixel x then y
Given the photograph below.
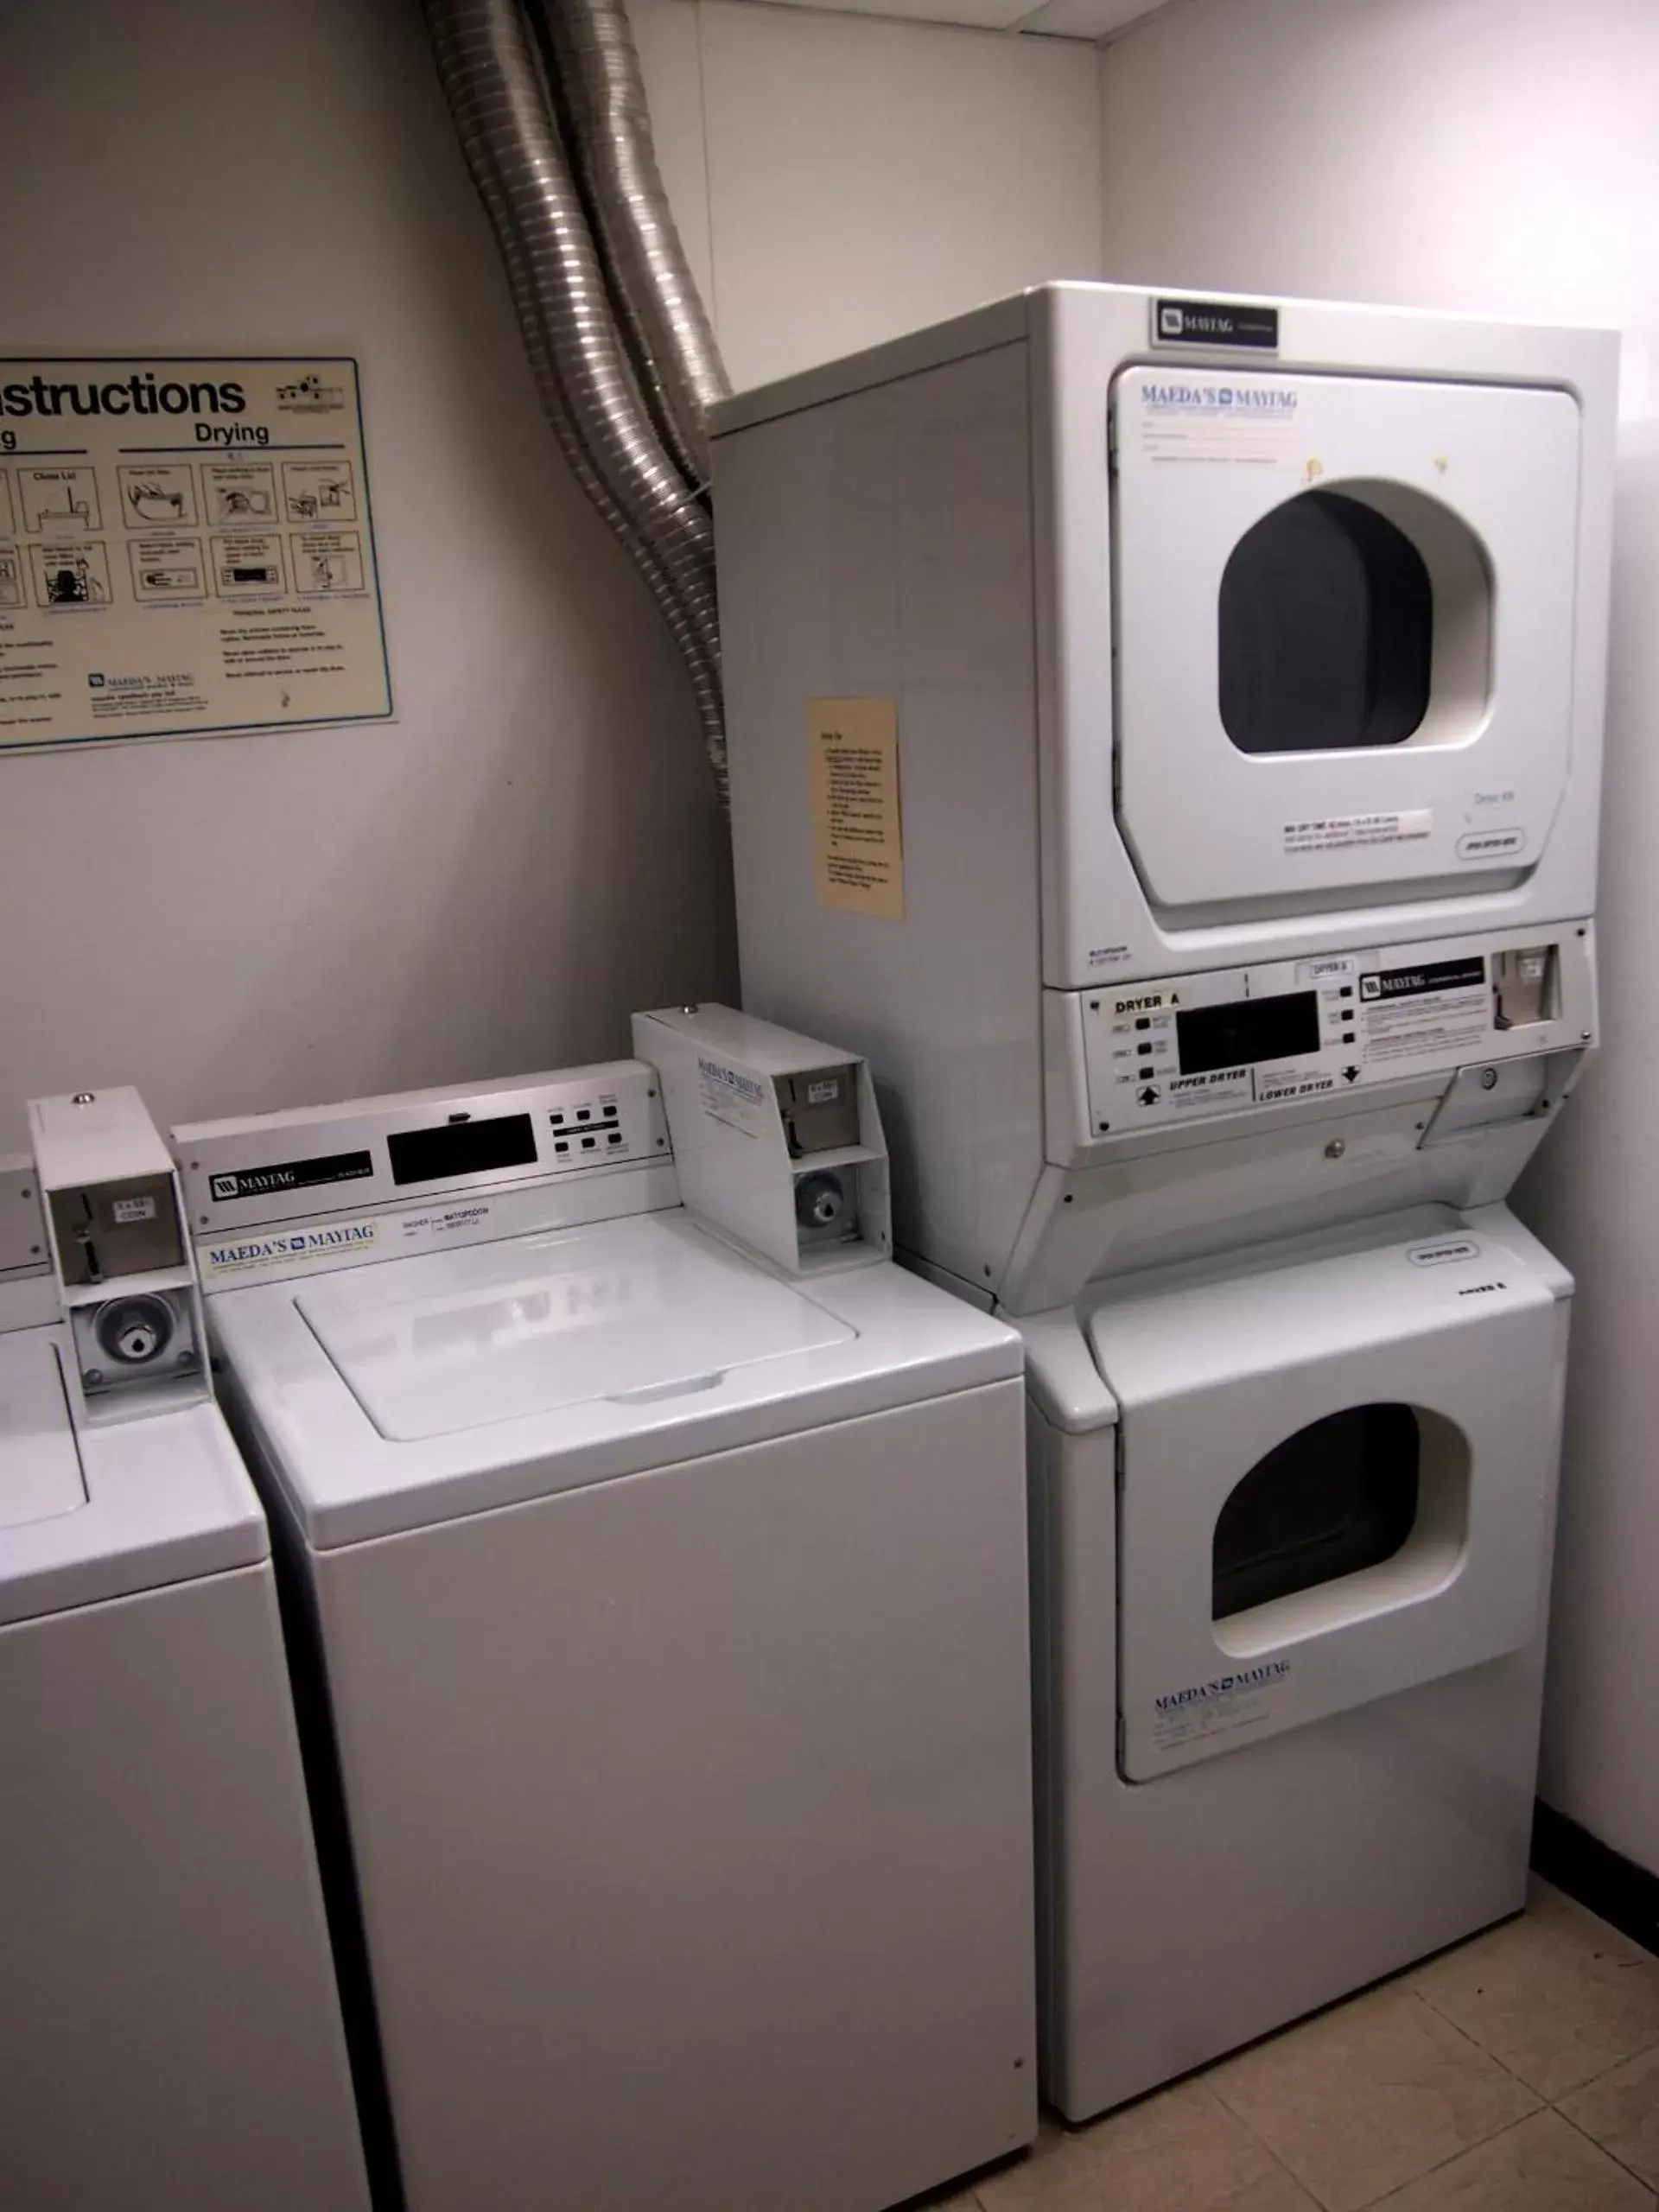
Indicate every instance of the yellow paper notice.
{"type": "Point", "coordinates": [857, 851]}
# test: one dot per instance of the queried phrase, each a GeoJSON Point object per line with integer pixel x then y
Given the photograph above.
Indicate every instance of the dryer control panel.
{"type": "Point", "coordinates": [1282, 1032]}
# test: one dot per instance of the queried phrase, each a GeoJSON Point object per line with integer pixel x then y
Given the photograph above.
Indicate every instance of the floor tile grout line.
{"type": "Point", "coordinates": [1475, 2044]}
{"type": "Point", "coordinates": [1256, 2137]}
{"type": "Point", "coordinates": [1647, 2051]}
{"type": "Point", "coordinates": [1606, 2150]}
{"type": "Point", "coordinates": [1463, 2151]}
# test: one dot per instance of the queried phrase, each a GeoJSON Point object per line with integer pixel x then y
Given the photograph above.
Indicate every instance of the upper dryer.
{"type": "Point", "coordinates": [1320, 599]}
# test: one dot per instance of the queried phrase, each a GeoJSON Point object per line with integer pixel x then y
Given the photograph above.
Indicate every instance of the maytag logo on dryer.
{"type": "Point", "coordinates": [291, 1175]}
{"type": "Point", "coordinates": [1433, 975]}
{"type": "Point", "coordinates": [258, 1255]}
{"type": "Point", "coordinates": [1216, 323]}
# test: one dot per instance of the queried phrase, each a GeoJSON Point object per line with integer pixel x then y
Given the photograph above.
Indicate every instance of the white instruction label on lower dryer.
{"type": "Point", "coordinates": [1218, 1707]}
{"type": "Point", "coordinates": [1439, 1009]}
{"type": "Point", "coordinates": [1334, 833]}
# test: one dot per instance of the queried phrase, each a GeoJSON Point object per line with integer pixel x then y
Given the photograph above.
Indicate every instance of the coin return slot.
{"type": "Point", "coordinates": [1526, 987]}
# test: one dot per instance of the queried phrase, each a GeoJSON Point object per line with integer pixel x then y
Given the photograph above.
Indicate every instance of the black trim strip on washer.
{"type": "Point", "coordinates": [1614, 1887]}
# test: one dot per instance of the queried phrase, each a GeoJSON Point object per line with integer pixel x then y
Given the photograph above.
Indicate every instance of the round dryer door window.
{"type": "Point", "coordinates": [1344, 624]}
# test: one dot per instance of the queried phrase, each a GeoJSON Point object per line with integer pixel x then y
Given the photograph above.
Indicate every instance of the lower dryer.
{"type": "Point", "coordinates": [1294, 1513]}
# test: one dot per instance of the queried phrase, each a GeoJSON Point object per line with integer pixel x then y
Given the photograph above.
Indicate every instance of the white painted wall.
{"type": "Point", "coordinates": [1498, 155]}
{"type": "Point", "coordinates": [532, 849]}
{"type": "Point", "coordinates": [858, 179]}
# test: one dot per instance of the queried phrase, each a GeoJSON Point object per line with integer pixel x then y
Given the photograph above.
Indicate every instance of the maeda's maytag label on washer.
{"type": "Point", "coordinates": [291, 1175]}
{"type": "Point", "coordinates": [1218, 1707]}
{"type": "Point", "coordinates": [1336, 833]}
{"type": "Point", "coordinates": [729, 1096]}
{"type": "Point", "coordinates": [1240, 323]}
{"type": "Point", "coordinates": [226, 1258]}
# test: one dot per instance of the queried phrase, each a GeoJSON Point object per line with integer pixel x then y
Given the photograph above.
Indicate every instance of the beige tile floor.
{"type": "Point", "coordinates": [1519, 2072]}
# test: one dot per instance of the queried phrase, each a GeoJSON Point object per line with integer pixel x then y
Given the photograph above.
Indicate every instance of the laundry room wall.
{"type": "Point", "coordinates": [491, 883]}
{"type": "Point", "coordinates": [1501, 158]}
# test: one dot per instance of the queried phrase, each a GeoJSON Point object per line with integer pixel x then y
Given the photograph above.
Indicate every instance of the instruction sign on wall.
{"type": "Point", "coordinates": [185, 547]}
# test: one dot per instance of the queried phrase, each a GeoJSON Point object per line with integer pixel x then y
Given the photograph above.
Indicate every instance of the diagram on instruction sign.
{"type": "Point", "coordinates": [56, 501]}
{"type": "Point", "coordinates": [241, 493]}
{"type": "Point", "coordinates": [319, 491]}
{"type": "Point", "coordinates": [328, 559]}
{"type": "Point", "coordinates": [167, 568]}
{"type": "Point", "coordinates": [187, 547]}
{"type": "Point", "coordinates": [248, 564]}
{"type": "Point", "coordinates": [158, 497]}
{"type": "Point", "coordinates": [74, 574]}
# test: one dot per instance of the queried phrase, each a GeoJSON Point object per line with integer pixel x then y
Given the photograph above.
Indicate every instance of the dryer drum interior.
{"type": "Point", "coordinates": [1336, 1497]}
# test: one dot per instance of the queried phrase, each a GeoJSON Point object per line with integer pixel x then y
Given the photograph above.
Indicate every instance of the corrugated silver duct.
{"type": "Point", "coordinates": [673, 345]}
{"type": "Point", "coordinates": [492, 74]}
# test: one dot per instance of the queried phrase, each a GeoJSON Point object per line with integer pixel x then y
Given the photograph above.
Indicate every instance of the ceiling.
{"type": "Point", "coordinates": [1090, 19]}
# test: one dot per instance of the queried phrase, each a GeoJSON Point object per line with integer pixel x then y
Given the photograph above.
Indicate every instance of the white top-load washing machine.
{"type": "Point", "coordinates": [170, 2030]}
{"type": "Point", "coordinates": [670, 1609]}
{"type": "Point", "coordinates": [1165, 737]}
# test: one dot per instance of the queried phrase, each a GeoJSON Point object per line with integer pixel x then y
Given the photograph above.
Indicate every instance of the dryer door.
{"type": "Point", "coordinates": [1345, 619]}
{"type": "Point", "coordinates": [1336, 1481]}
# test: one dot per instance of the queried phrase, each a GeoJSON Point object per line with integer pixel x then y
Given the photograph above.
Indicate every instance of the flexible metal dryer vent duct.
{"type": "Point", "coordinates": [550, 109]}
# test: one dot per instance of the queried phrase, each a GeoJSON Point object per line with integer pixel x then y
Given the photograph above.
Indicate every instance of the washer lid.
{"type": "Point", "coordinates": [621, 1313]}
{"type": "Point", "coordinates": [40, 1467]}
{"type": "Point", "coordinates": [115, 1509]}
{"type": "Point", "coordinates": [417, 1391]}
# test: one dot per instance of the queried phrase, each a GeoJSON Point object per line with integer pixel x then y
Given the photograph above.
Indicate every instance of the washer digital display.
{"type": "Point", "coordinates": [1247, 1030]}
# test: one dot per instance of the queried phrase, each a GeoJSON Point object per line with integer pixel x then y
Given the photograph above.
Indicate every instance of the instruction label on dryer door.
{"type": "Point", "coordinates": [1218, 1707]}
{"type": "Point", "coordinates": [185, 549]}
{"type": "Point", "coordinates": [1338, 833]}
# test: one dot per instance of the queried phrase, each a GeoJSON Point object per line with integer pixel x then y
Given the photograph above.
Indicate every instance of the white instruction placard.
{"type": "Point", "coordinates": [186, 549]}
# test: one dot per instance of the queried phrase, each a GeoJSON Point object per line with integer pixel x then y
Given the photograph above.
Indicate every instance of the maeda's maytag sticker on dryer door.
{"type": "Point", "coordinates": [1217, 1707]}
{"type": "Point", "coordinates": [1189, 416]}
{"type": "Point", "coordinates": [185, 549]}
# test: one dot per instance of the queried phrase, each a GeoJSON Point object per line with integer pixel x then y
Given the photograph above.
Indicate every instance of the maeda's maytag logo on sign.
{"type": "Point", "coordinates": [310, 394]}
{"type": "Point", "coordinates": [1216, 323]}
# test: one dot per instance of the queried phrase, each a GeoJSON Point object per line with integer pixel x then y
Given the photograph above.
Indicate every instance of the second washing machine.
{"type": "Point", "coordinates": [664, 1566]}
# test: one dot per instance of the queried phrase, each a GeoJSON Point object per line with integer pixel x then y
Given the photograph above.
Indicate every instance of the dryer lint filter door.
{"type": "Point", "coordinates": [1337, 1482]}
{"type": "Point", "coordinates": [1344, 624]}
{"type": "Point", "coordinates": [627, 1311]}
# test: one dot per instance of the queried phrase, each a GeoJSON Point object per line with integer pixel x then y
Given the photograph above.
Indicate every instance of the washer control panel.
{"type": "Point", "coordinates": [1284, 1032]}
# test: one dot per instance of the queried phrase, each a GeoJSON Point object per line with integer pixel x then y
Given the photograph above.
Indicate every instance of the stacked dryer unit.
{"type": "Point", "coordinates": [1236, 950]}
